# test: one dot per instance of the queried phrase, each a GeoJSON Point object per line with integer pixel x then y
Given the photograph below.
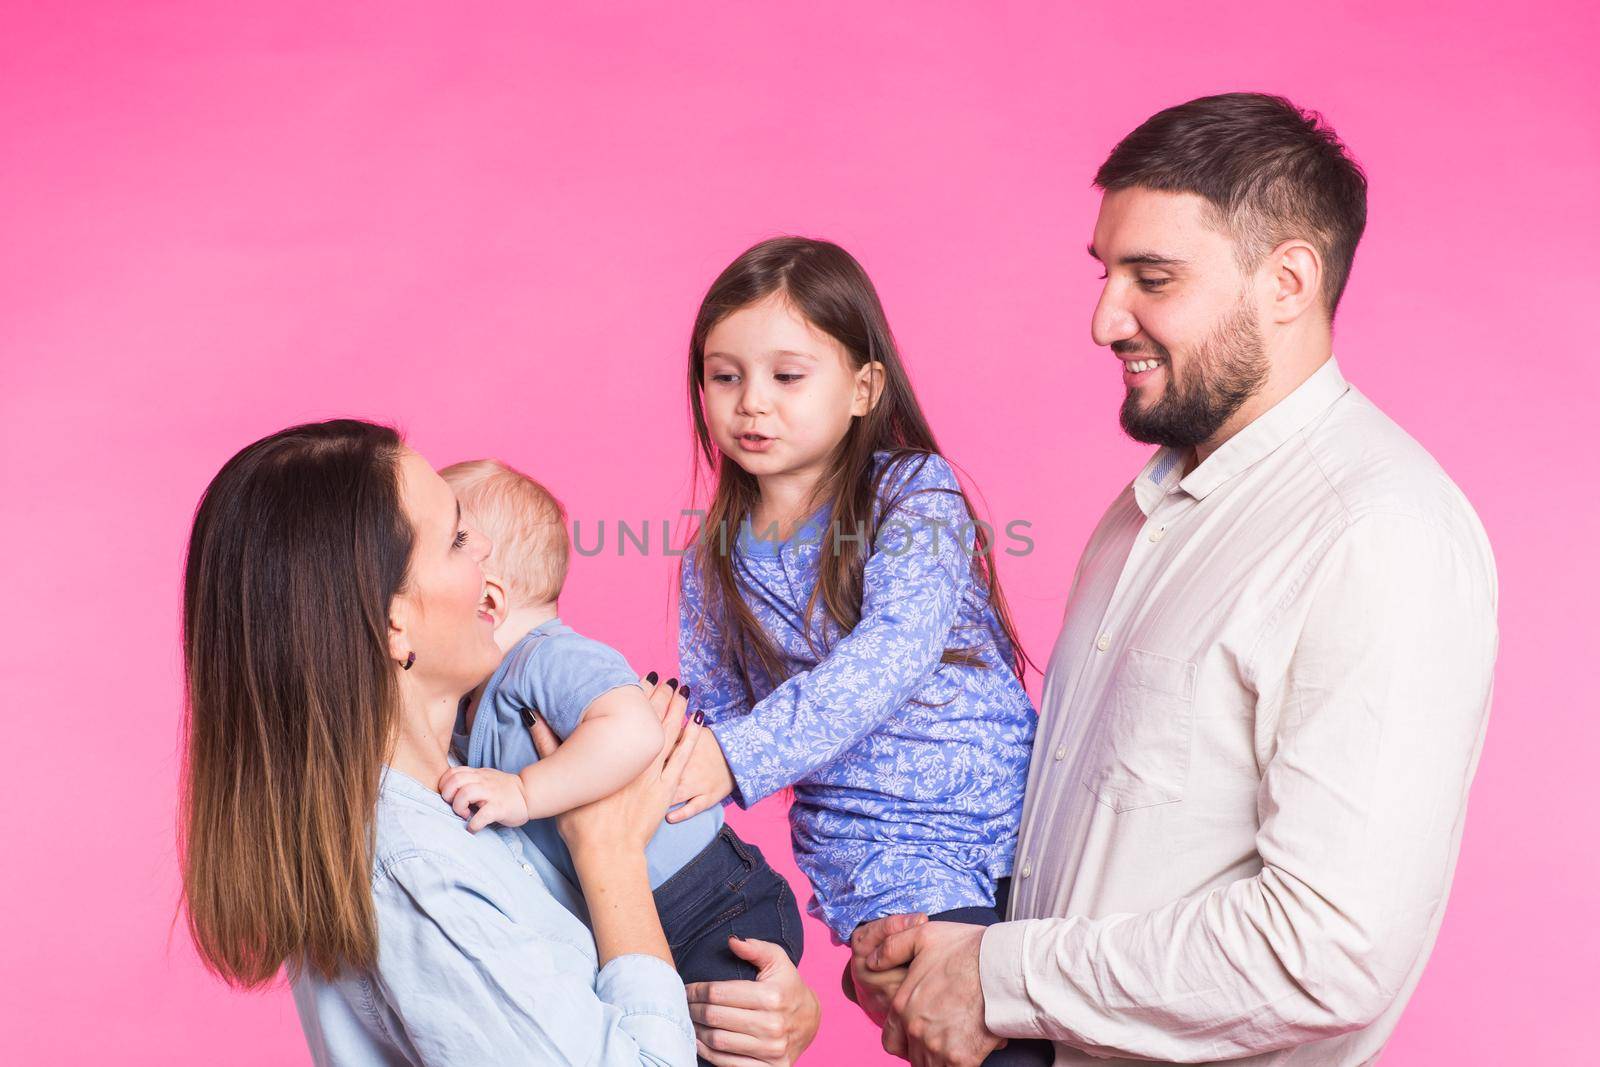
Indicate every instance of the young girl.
{"type": "Point", "coordinates": [840, 622]}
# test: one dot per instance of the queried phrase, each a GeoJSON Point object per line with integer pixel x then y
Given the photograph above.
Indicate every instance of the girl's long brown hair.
{"type": "Point", "coordinates": [830, 290]}
{"type": "Point", "coordinates": [299, 545]}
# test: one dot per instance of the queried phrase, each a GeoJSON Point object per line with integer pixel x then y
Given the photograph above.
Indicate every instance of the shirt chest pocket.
{"type": "Point", "coordinates": [1141, 743]}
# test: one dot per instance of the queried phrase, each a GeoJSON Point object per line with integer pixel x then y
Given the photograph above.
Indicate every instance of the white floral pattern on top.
{"type": "Point", "coordinates": [908, 773]}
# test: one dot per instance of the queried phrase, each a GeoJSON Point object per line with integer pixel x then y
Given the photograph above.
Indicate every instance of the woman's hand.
{"type": "Point", "coordinates": [769, 1021]}
{"type": "Point", "coordinates": [624, 821]}
{"type": "Point", "coordinates": [707, 781]}
{"type": "Point", "coordinates": [607, 837]}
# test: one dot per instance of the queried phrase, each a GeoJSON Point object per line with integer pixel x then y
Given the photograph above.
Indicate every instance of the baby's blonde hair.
{"type": "Point", "coordinates": [527, 524]}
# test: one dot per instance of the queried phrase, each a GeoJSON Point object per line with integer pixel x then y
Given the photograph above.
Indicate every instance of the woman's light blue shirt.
{"type": "Point", "coordinates": [483, 959]}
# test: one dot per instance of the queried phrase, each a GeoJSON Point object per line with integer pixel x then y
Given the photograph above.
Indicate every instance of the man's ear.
{"type": "Point", "coordinates": [495, 600]}
{"type": "Point", "coordinates": [869, 388]}
{"type": "Point", "coordinates": [1296, 280]}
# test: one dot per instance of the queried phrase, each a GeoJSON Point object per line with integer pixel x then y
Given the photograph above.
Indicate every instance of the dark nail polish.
{"type": "Point", "coordinates": [685, 692]}
{"type": "Point", "coordinates": [652, 677]}
{"type": "Point", "coordinates": [529, 718]}
{"type": "Point", "coordinates": [699, 718]}
{"type": "Point", "coordinates": [672, 683]}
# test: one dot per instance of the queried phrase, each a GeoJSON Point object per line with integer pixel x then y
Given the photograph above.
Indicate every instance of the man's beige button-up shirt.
{"type": "Point", "coordinates": [1256, 736]}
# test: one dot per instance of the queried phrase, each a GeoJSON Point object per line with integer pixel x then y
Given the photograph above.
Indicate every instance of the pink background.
{"type": "Point", "coordinates": [491, 224]}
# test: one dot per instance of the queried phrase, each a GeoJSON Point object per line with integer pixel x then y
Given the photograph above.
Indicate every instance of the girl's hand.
{"type": "Point", "coordinates": [769, 1021]}
{"type": "Point", "coordinates": [707, 781]}
{"type": "Point", "coordinates": [483, 795]}
{"type": "Point", "coordinates": [624, 821]}
{"type": "Point", "coordinates": [872, 990]}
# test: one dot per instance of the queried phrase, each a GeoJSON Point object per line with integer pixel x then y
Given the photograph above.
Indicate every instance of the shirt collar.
{"type": "Point", "coordinates": [753, 542]}
{"type": "Point", "coordinates": [397, 783]}
{"type": "Point", "coordinates": [1163, 474]}
{"type": "Point", "coordinates": [1159, 477]}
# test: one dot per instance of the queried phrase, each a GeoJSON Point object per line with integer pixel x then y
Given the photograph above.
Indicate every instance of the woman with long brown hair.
{"type": "Point", "coordinates": [332, 624]}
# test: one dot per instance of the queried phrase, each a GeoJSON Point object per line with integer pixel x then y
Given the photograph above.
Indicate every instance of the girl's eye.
{"type": "Point", "coordinates": [461, 539]}
{"type": "Point", "coordinates": [725, 378]}
{"type": "Point", "coordinates": [786, 378]}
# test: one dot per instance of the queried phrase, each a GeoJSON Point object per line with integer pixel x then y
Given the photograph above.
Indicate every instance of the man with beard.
{"type": "Point", "coordinates": [1267, 701]}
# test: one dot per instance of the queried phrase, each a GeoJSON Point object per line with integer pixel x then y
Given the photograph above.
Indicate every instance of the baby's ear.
{"type": "Point", "coordinates": [495, 601]}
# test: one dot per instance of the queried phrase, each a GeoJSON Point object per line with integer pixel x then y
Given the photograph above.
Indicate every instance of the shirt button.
{"type": "Point", "coordinates": [527, 868]}
{"type": "Point", "coordinates": [1061, 753]}
{"type": "Point", "coordinates": [1104, 642]}
{"type": "Point", "coordinates": [1158, 533]}
{"type": "Point", "coordinates": [1027, 869]}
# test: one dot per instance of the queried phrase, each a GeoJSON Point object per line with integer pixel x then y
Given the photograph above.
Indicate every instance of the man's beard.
{"type": "Point", "coordinates": [1224, 371]}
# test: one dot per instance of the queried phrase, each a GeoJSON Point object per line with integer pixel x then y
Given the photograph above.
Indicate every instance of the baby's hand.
{"type": "Point", "coordinates": [496, 796]}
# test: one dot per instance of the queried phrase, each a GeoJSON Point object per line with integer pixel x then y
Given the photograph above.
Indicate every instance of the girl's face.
{"type": "Point", "coordinates": [440, 616]}
{"type": "Point", "coordinates": [779, 393]}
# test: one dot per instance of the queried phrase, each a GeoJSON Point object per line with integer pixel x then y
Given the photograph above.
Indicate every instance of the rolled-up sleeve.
{"type": "Point", "coordinates": [1380, 716]}
{"type": "Point", "coordinates": [912, 585]}
{"type": "Point", "coordinates": [472, 986]}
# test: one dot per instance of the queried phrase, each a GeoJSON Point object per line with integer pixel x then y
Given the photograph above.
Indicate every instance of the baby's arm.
{"type": "Point", "coordinates": [483, 795]}
{"type": "Point", "coordinates": [617, 737]}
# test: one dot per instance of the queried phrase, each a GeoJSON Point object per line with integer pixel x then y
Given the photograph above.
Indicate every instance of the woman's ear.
{"type": "Point", "coordinates": [869, 388]}
{"type": "Point", "coordinates": [495, 600]}
{"type": "Point", "coordinates": [400, 629]}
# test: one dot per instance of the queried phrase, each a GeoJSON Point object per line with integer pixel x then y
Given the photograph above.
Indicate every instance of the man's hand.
{"type": "Point", "coordinates": [483, 796]}
{"type": "Point", "coordinates": [769, 1021]}
{"type": "Point", "coordinates": [707, 781]}
{"type": "Point", "coordinates": [936, 1018]}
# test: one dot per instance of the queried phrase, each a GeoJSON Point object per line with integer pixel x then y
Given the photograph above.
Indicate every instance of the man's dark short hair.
{"type": "Point", "coordinates": [1270, 170]}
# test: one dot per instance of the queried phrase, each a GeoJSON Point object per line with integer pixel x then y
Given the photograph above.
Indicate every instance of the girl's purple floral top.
{"type": "Point", "coordinates": [908, 773]}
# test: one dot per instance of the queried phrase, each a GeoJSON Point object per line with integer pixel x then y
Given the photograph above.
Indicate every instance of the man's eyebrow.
{"type": "Point", "coordinates": [1149, 259]}
{"type": "Point", "coordinates": [1144, 259]}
